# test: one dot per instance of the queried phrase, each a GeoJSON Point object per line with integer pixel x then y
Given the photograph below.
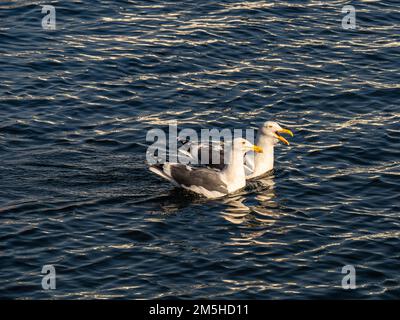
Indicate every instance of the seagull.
{"type": "Point", "coordinates": [268, 135]}
{"type": "Point", "coordinates": [210, 182]}
{"type": "Point", "coordinates": [256, 165]}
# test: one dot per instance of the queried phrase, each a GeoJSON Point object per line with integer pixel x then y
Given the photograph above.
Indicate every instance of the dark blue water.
{"type": "Point", "coordinates": [76, 104]}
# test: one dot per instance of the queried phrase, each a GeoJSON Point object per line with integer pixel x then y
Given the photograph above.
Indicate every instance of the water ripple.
{"type": "Point", "coordinates": [76, 104]}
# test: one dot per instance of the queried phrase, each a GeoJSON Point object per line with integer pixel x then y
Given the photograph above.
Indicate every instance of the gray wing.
{"type": "Point", "coordinates": [248, 165]}
{"type": "Point", "coordinates": [202, 177]}
{"type": "Point", "coordinates": [212, 151]}
{"type": "Point", "coordinates": [200, 152]}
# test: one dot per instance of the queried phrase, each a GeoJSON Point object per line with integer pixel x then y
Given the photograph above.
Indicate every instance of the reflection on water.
{"type": "Point", "coordinates": [263, 209]}
{"type": "Point", "coordinates": [236, 211]}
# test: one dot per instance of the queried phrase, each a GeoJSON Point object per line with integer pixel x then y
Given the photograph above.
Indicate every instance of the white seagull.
{"type": "Point", "coordinates": [255, 165]}
{"type": "Point", "coordinates": [268, 136]}
{"type": "Point", "coordinates": [210, 182]}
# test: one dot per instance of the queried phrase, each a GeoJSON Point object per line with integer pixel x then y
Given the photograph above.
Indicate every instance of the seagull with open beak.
{"type": "Point", "coordinates": [269, 134]}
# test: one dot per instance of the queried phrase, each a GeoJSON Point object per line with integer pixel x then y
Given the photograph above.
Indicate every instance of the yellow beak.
{"type": "Point", "coordinates": [282, 139]}
{"type": "Point", "coordinates": [257, 149]}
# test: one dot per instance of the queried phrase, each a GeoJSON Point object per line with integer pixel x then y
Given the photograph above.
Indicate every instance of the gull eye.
{"type": "Point", "coordinates": [243, 142]}
{"type": "Point", "coordinates": [269, 126]}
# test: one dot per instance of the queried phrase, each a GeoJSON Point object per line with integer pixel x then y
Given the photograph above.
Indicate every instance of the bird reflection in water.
{"type": "Point", "coordinates": [265, 212]}
{"type": "Point", "coordinates": [236, 211]}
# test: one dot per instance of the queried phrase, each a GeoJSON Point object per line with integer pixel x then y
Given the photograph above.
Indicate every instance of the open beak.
{"type": "Point", "coordinates": [282, 139]}
{"type": "Point", "coordinates": [257, 149]}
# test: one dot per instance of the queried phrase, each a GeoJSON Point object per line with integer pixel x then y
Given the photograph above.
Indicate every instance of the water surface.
{"type": "Point", "coordinates": [76, 104]}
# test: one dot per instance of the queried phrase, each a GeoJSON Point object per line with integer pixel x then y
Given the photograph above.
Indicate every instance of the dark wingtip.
{"type": "Point", "coordinates": [158, 166]}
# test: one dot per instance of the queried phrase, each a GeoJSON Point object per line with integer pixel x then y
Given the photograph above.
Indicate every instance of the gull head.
{"type": "Point", "coordinates": [244, 146]}
{"type": "Point", "coordinates": [273, 131]}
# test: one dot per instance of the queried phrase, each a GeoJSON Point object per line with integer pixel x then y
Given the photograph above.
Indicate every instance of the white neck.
{"type": "Point", "coordinates": [233, 173]}
{"type": "Point", "coordinates": [263, 162]}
